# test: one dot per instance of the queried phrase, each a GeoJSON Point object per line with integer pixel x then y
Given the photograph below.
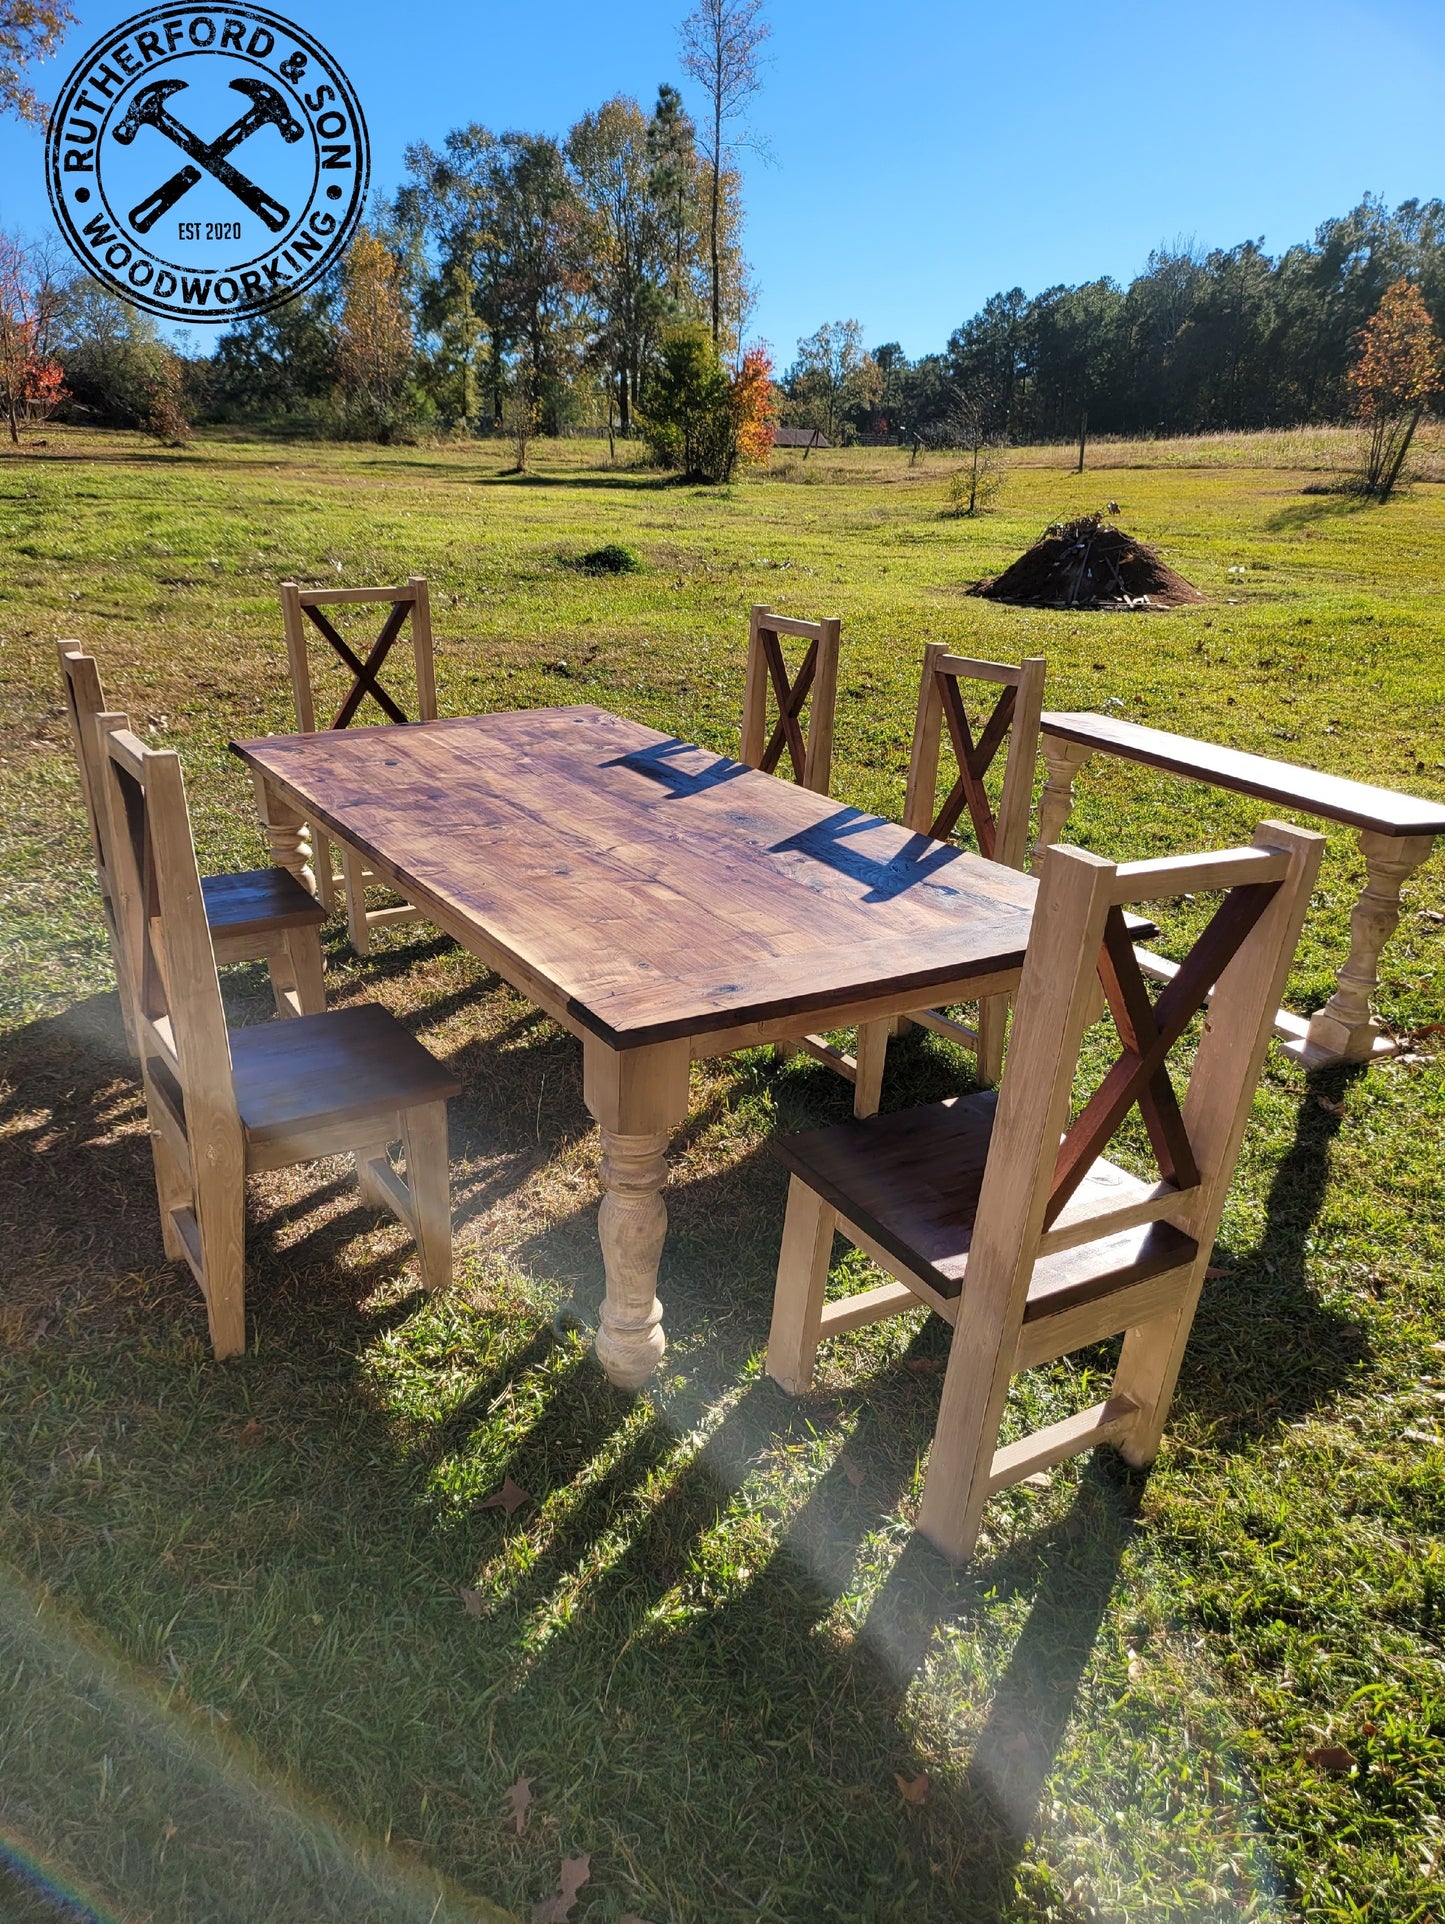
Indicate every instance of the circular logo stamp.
{"type": "Point", "coordinates": [207, 163]}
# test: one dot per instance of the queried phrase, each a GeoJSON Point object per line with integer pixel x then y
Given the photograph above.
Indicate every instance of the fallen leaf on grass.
{"type": "Point", "coordinates": [914, 1790]}
{"type": "Point", "coordinates": [923, 1365]}
{"type": "Point", "coordinates": [1333, 1758]}
{"type": "Point", "coordinates": [1330, 1107]}
{"type": "Point", "coordinates": [1421, 1436]}
{"type": "Point", "coordinates": [251, 1433]}
{"type": "Point", "coordinates": [472, 1602]}
{"type": "Point", "coordinates": [854, 1472]}
{"type": "Point", "coordinates": [1019, 1741]}
{"type": "Point", "coordinates": [557, 1909]}
{"type": "Point", "coordinates": [519, 1799]}
{"type": "Point", "coordinates": [510, 1497]}
{"type": "Point", "coordinates": [1214, 1272]}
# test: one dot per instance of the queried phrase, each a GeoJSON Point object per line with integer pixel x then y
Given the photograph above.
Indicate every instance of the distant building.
{"type": "Point", "coordinates": [800, 438]}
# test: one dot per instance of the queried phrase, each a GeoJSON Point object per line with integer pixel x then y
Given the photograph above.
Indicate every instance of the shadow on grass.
{"type": "Point", "coordinates": [667, 1637]}
{"type": "Point", "coordinates": [1314, 508]}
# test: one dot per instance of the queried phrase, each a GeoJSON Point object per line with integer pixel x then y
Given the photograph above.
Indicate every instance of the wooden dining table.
{"type": "Point", "coordinates": [662, 902]}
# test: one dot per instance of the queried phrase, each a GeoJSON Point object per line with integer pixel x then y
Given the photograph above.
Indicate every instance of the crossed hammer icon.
{"type": "Point", "coordinates": [148, 109]}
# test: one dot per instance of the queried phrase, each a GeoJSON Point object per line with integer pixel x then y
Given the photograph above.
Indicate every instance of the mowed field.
{"type": "Point", "coordinates": [264, 1655]}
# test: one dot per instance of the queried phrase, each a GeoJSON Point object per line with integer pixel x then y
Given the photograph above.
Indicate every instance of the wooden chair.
{"type": "Point", "coordinates": [258, 915]}
{"type": "Point", "coordinates": [815, 686]}
{"type": "Point", "coordinates": [1008, 1220]}
{"type": "Point", "coordinates": [222, 1104]}
{"type": "Point", "coordinates": [305, 607]}
{"type": "Point", "coordinates": [1001, 837]}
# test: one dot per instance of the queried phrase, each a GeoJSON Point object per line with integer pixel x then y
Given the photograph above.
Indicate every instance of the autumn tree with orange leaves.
{"type": "Point", "coordinates": [31, 382]}
{"type": "Point", "coordinates": [1392, 383]}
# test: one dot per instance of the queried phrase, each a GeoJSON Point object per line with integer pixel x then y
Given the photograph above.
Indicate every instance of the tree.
{"type": "Point", "coordinates": [1395, 375]}
{"type": "Point", "coordinates": [702, 420]}
{"type": "Point", "coordinates": [721, 40]}
{"type": "Point", "coordinates": [279, 361]}
{"type": "Point", "coordinates": [31, 379]}
{"type": "Point", "coordinates": [674, 185]}
{"type": "Point", "coordinates": [374, 346]}
{"type": "Point", "coordinates": [622, 245]}
{"type": "Point", "coordinates": [832, 374]}
{"type": "Point", "coordinates": [29, 30]}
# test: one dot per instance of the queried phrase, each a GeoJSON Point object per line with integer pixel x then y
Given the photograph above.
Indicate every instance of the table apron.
{"type": "Point", "coordinates": [751, 1035]}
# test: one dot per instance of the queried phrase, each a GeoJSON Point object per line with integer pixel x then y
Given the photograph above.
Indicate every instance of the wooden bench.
{"type": "Point", "coordinates": [1396, 834]}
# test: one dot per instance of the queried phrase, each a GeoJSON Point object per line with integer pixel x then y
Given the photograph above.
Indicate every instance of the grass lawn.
{"type": "Point", "coordinates": [264, 1652]}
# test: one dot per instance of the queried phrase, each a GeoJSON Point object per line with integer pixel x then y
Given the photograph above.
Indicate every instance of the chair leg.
{"type": "Point", "coordinates": [1148, 1371]}
{"type": "Point", "coordinates": [428, 1177]}
{"type": "Point", "coordinates": [871, 1057]}
{"type": "Point", "coordinates": [803, 1265]}
{"type": "Point", "coordinates": [955, 1486]}
{"type": "Point", "coordinates": [992, 1025]}
{"type": "Point", "coordinates": [173, 1191]}
{"type": "Point", "coordinates": [221, 1219]}
{"type": "Point", "coordinates": [308, 976]}
{"type": "Point", "coordinates": [357, 927]}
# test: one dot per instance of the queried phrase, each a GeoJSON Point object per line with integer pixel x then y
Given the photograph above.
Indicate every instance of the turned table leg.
{"type": "Point", "coordinates": [1063, 760]}
{"type": "Point", "coordinates": [287, 832]}
{"type": "Point", "coordinates": [1344, 1026]}
{"type": "Point", "coordinates": [637, 1096]}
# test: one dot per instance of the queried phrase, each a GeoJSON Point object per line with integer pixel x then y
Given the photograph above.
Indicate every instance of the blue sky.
{"type": "Point", "coordinates": [926, 153]}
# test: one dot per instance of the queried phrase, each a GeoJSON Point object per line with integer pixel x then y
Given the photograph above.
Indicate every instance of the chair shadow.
{"type": "Point", "coordinates": [1265, 1349]}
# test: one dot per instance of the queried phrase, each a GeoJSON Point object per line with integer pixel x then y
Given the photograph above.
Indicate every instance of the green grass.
{"type": "Point", "coordinates": [238, 1678]}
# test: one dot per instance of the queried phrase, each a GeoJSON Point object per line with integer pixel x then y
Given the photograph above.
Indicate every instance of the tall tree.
{"type": "Point", "coordinates": [374, 346]}
{"type": "Point", "coordinates": [29, 30]}
{"type": "Point", "coordinates": [622, 244]}
{"type": "Point", "coordinates": [1393, 381]}
{"type": "Point", "coordinates": [721, 47]}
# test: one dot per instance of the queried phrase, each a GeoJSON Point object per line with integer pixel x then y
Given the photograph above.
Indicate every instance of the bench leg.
{"type": "Point", "coordinates": [1063, 760]}
{"type": "Point", "coordinates": [1345, 1027]}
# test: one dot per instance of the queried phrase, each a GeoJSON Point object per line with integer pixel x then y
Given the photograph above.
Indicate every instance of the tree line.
{"type": "Point", "coordinates": [1198, 342]}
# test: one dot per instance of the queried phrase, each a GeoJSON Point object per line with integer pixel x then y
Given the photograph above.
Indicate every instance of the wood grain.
{"type": "Point", "coordinates": [646, 890]}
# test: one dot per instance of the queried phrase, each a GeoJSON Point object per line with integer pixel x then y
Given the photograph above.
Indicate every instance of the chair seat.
{"type": "Point", "coordinates": [342, 1066]}
{"type": "Point", "coordinates": [911, 1182]}
{"type": "Point", "coordinates": [256, 900]}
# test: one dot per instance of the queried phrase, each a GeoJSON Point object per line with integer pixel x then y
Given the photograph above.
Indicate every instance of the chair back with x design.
{"type": "Point", "coordinates": [1002, 836]}
{"type": "Point", "coordinates": [1067, 1247]}
{"type": "Point", "coordinates": [1006, 1217]}
{"type": "Point", "coordinates": [814, 687]}
{"type": "Point", "coordinates": [305, 609]}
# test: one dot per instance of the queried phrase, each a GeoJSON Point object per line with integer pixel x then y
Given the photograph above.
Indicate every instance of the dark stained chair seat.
{"type": "Point", "coordinates": [911, 1181]}
{"type": "Point", "coordinates": [342, 1066]}
{"type": "Point", "coordinates": [256, 901]}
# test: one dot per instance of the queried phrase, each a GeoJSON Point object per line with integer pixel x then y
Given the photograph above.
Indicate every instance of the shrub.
{"type": "Point", "coordinates": [700, 419]}
{"type": "Point", "coordinates": [614, 559]}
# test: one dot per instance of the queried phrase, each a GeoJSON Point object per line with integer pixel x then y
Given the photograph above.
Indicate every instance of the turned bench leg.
{"type": "Point", "coordinates": [1063, 760]}
{"type": "Point", "coordinates": [1345, 1028]}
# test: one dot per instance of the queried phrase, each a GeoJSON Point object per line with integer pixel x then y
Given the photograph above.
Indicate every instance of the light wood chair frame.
{"type": "Point", "coordinates": [304, 608]}
{"type": "Point", "coordinates": [292, 953]}
{"type": "Point", "coordinates": [814, 687]}
{"type": "Point", "coordinates": [1028, 1207]}
{"type": "Point", "coordinates": [201, 1151]}
{"type": "Point", "coordinates": [1002, 836]}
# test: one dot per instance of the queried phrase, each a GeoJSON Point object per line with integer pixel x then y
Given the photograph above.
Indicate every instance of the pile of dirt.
{"type": "Point", "coordinates": [1089, 563]}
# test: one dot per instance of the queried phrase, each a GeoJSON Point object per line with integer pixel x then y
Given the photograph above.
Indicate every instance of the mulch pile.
{"type": "Point", "coordinates": [1089, 563]}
